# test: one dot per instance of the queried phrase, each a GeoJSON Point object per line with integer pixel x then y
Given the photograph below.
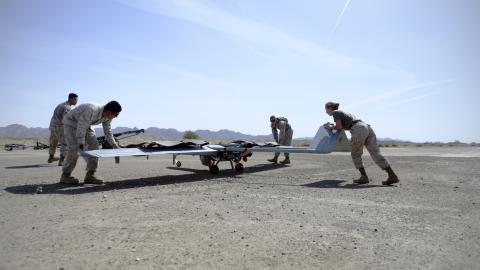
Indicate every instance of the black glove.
{"type": "Point", "coordinates": [81, 147]}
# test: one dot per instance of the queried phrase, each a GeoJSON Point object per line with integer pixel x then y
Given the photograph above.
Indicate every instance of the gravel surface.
{"type": "Point", "coordinates": [307, 215]}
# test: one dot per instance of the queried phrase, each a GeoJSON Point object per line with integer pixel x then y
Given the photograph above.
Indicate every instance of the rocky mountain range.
{"type": "Point", "coordinates": [20, 131]}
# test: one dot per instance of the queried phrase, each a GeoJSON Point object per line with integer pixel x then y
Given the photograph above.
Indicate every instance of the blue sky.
{"type": "Point", "coordinates": [409, 68]}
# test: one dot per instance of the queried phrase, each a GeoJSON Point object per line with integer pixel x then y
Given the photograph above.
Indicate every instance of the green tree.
{"type": "Point", "coordinates": [190, 135]}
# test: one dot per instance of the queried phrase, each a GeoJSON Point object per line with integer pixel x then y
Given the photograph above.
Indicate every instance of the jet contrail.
{"type": "Point", "coordinates": [338, 20]}
{"type": "Point", "coordinates": [405, 101]}
{"type": "Point", "coordinates": [388, 94]}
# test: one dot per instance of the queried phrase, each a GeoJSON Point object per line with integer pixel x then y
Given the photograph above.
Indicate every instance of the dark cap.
{"type": "Point", "coordinates": [272, 118]}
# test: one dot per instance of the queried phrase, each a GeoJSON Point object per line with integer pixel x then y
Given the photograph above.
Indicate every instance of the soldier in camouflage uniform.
{"type": "Point", "coordinates": [81, 137]}
{"type": "Point", "coordinates": [56, 129]}
{"type": "Point", "coordinates": [362, 135]}
{"type": "Point", "coordinates": [285, 137]}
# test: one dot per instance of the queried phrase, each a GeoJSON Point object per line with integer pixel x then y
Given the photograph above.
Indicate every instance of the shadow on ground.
{"type": "Point", "coordinates": [197, 175]}
{"type": "Point", "coordinates": [31, 166]}
{"type": "Point", "coordinates": [339, 184]}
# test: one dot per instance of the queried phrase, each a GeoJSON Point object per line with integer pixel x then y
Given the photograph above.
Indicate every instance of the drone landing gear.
{"type": "Point", "coordinates": [214, 169]}
{"type": "Point", "coordinates": [176, 162]}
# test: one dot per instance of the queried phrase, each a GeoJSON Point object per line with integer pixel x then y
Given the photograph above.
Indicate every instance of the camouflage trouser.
{"type": "Point", "coordinates": [53, 142]}
{"type": "Point", "coordinates": [56, 136]}
{"type": "Point", "coordinates": [363, 135]}
{"type": "Point", "coordinates": [285, 140]}
{"type": "Point", "coordinates": [73, 148]}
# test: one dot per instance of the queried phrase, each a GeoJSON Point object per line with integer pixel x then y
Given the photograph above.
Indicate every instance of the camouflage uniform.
{"type": "Point", "coordinates": [56, 129]}
{"type": "Point", "coordinates": [286, 133]}
{"type": "Point", "coordinates": [363, 134]}
{"type": "Point", "coordinates": [78, 131]}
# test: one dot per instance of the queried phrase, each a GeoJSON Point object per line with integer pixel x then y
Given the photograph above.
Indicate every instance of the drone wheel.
{"type": "Point", "coordinates": [214, 169]}
{"type": "Point", "coordinates": [239, 167]}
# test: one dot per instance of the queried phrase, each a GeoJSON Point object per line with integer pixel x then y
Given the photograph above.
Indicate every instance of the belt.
{"type": "Point", "coordinates": [355, 122]}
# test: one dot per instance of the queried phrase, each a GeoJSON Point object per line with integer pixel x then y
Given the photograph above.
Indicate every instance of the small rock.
{"type": "Point", "coordinates": [375, 230]}
{"type": "Point", "coordinates": [137, 259]}
{"type": "Point", "coordinates": [109, 247]}
{"type": "Point", "coordinates": [104, 196]}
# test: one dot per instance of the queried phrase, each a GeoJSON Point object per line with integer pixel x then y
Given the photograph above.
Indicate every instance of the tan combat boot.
{"type": "Point", "coordinates": [274, 160]}
{"type": "Point", "coordinates": [60, 162]}
{"type": "Point", "coordinates": [392, 177]}
{"type": "Point", "coordinates": [90, 178]}
{"type": "Point", "coordinates": [363, 178]}
{"type": "Point", "coordinates": [66, 178]}
{"type": "Point", "coordinates": [52, 158]}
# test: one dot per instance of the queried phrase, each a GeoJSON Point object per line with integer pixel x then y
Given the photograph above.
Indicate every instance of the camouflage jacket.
{"type": "Point", "coordinates": [280, 123]}
{"type": "Point", "coordinates": [84, 116]}
{"type": "Point", "coordinates": [58, 114]}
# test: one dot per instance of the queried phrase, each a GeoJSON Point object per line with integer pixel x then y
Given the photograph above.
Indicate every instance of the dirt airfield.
{"type": "Point", "coordinates": [308, 215]}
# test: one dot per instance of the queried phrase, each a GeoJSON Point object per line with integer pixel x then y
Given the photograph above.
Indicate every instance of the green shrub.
{"type": "Point", "coordinates": [190, 135]}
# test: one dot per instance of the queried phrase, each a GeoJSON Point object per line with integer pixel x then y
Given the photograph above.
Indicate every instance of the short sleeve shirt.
{"type": "Point", "coordinates": [345, 118]}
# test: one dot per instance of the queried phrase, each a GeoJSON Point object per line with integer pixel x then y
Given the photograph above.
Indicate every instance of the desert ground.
{"type": "Point", "coordinates": [307, 215]}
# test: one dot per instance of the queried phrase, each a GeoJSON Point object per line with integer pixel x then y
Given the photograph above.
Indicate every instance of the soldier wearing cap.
{"type": "Point", "coordinates": [81, 137]}
{"type": "Point", "coordinates": [56, 129]}
{"type": "Point", "coordinates": [284, 138]}
{"type": "Point", "coordinates": [362, 135]}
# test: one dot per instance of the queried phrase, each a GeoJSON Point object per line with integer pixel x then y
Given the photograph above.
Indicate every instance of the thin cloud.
{"type": "Point", "coordinates": [338, 21]}
{"type": "Point", "coordinates": [407, 101]}
{"type": "Point", "coordinates": [206, 14]}
{"type": "Point", "coordinates": [389, 94]}
{"type": "Point", "coordinates": [262, 38]}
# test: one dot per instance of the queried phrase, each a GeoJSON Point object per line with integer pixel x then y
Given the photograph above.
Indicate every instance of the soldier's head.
{"type": "Point", "coordinates": [272, 118]}
{"type": "Point", "coordinates": [72, 99]}
{"type": "Point", "coordinates": [331, 106]}
{"type": "Point", "coordinates": [112, 109]}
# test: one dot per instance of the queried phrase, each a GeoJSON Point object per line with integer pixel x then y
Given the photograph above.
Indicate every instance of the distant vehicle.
{"type": "Point", "coordinates": [41, 146]}
{"type": "Point", "coordinates": [14, 146]}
